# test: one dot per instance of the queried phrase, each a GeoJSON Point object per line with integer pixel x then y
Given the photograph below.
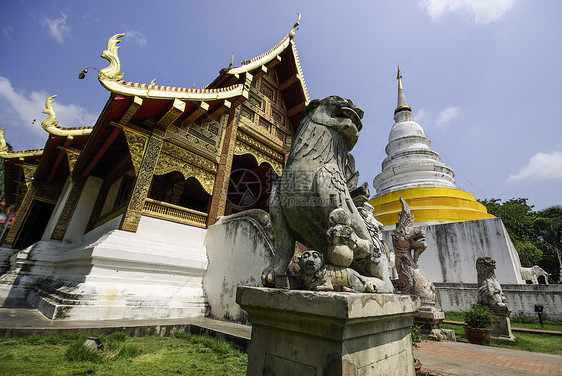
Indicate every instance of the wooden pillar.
{"type": "Point", "coordinates": [220, 190]}
{"type": "Point", "coordinates": [69, 208]}
{"type": "Point", "coordinates": [22, 212]}
{"type": "Point", "coordinates": [131, 218]}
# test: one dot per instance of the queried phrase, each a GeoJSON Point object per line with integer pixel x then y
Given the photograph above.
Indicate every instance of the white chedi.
{"type": "Point", "coordinates": [410, 162]}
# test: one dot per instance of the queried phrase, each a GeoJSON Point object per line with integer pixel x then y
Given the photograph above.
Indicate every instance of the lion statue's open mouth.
{"type": "Point", "coordinates": [355, 114]}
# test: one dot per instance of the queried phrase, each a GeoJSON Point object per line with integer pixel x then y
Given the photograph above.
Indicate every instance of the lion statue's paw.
{"type": "Point", "coordinates": [268, 277]}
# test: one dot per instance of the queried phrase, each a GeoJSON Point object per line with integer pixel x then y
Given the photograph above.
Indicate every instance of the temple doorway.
{"type": "Point", "coordinates": [250, 185]}
{"type": "Point", "coordinates": [35, 224]}
{"type": "Point", "coordinates": [174, 189]}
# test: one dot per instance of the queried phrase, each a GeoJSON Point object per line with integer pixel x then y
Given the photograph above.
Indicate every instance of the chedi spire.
{"type": "Point", "coordinates": [401, 105]}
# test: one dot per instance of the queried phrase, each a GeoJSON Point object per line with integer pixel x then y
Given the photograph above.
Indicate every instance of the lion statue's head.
{"type": "Point", "coordinates": [485, 265]}
{"type": "Point", "coordinates": [485, 269]}
{"type": "Point", "coordinates": [338, 113]}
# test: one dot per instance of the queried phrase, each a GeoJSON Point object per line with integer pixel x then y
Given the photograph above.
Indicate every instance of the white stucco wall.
{"type": "Point", "coordinates": [57, 210]}
{"type": "Point", "coordinates": [239, 248]}
{"type": "Point", "coordinates": [452, 250]}
{"type": "Point", "coordinates": [110, 197]}
{"type": "Point", "coordinates": [83, 211]}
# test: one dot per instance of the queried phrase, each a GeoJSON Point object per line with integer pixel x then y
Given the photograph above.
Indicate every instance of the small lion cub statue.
{"type": "Point", "coordinates": [314, 275]}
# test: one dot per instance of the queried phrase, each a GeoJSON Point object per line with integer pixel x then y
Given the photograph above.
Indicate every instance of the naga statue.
{"type": "Point", "coordinates": [489, 290]}
{"type": "Point", "coordinates": [409, 243]}
{"type": "Point", "coordinates": [315, 201]}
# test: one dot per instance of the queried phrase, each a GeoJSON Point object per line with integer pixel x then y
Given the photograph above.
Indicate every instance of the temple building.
{"type": "Point", "coordinates": [458, 228]}
{"type": "Point", "coordinates": [112, 218]}
{"type": "Point", "coordinates": [415, 172]}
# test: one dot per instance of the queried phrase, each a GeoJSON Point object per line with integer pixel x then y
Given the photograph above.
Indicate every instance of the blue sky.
{"type": "Point", "coordinates": [482, 76]}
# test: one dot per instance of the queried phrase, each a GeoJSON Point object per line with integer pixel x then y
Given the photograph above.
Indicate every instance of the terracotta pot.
{"type": "Point", "coordinates": [417, 366]}
{"type": "Point", "coordinates": [478, 336]}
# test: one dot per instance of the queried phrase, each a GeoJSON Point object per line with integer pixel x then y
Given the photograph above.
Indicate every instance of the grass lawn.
{"type": "Point", "coordinates": [523, 341]}
{"type": "Point", "coordinates": [63, 354]}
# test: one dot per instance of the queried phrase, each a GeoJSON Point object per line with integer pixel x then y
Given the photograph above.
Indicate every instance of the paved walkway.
{"type": "Point", "coordinates": [464, 359]}
{"type": "Point", "coordinates": [439, 358]}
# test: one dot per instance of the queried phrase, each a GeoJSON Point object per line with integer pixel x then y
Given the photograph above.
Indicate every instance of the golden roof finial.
{"type": "Point", "coordinates": [50, 124]}
{"type": "Point", "coordinates": [51, 120]}
{"type": "Point", "coordinates": [110, 54]}
{"type": "Point", "coordinates": [292, 32]}
{"type": "Point", "coordinates": [231, 62]}
{"type": "Point", "coordinates": [3, 144]}
{"type": "Point", "coordinates": [399, 78]}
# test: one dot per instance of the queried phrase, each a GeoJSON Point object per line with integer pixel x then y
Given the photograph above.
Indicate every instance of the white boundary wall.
{"type": "Point", "coordinates": [520, 298]}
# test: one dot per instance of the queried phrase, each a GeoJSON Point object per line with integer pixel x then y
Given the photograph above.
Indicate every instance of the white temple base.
{"type": "Point", "coordinates": [156, 272]}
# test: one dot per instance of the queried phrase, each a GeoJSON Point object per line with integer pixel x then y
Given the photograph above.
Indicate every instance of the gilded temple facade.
{"type": "Point", "coordinates": [168, 152]}
{"type": "Point", "coordinates": [112, 218]}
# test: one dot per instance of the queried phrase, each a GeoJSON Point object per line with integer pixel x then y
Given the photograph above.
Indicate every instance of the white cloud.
{"type": "Point", "coordinates": [57, 27]}
{"type": "Point", "coordinates": [136, 37]}
{"type": "Point", "coordinates": [541, 166]}
{"type": "Point", "coordinates": [447, 115]}
{"type": "Point", "coordinates": [17, 108]}
{"type": "Point", "coordinates": [483, 12]}
{"type": "Point", "coordinates": [8, 32]}
{"type": "Point", "coordinates": [420, 116]}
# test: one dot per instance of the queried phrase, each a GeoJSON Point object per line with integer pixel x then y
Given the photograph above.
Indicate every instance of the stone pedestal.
{"type": "Point", "coordinates": [429, 319]}
{"type": "Point", "coordinates": [328, 333]}
{"type": "Point", "coordinates": [501, 326]}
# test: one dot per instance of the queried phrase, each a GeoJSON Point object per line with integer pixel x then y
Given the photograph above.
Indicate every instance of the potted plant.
{"type": "Point", "coordinates": [478, 319]}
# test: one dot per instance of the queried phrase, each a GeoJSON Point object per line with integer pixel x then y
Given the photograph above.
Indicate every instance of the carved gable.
{"type": "Point", "coordinates": [264, 115]}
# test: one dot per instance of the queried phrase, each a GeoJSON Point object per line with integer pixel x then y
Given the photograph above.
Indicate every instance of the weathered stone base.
{"type": "Point", "coordinates": [501, 326]}
{"type": "Point", "coordinates": [328, 333]}
{"type": "Point", "coordinates": [429, 319]}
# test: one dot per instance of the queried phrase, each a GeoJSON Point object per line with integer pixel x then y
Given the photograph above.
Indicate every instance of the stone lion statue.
{"type": "Point", "coordinates": [312, 201]}
{"type": "Point", "coordinates": [489, 290]}
{"type": "Point", "coordinates": [315, 275]}
{"type": "Point", "coordinates": [409, 243]}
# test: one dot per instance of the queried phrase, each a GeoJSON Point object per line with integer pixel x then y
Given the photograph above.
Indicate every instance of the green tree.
{"type": "Point", "coordinates": [529, 253]}
{"type": "Point", "coordinates": [548, 227]}
{"type": "Point", "coordinates": [537, 236]}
